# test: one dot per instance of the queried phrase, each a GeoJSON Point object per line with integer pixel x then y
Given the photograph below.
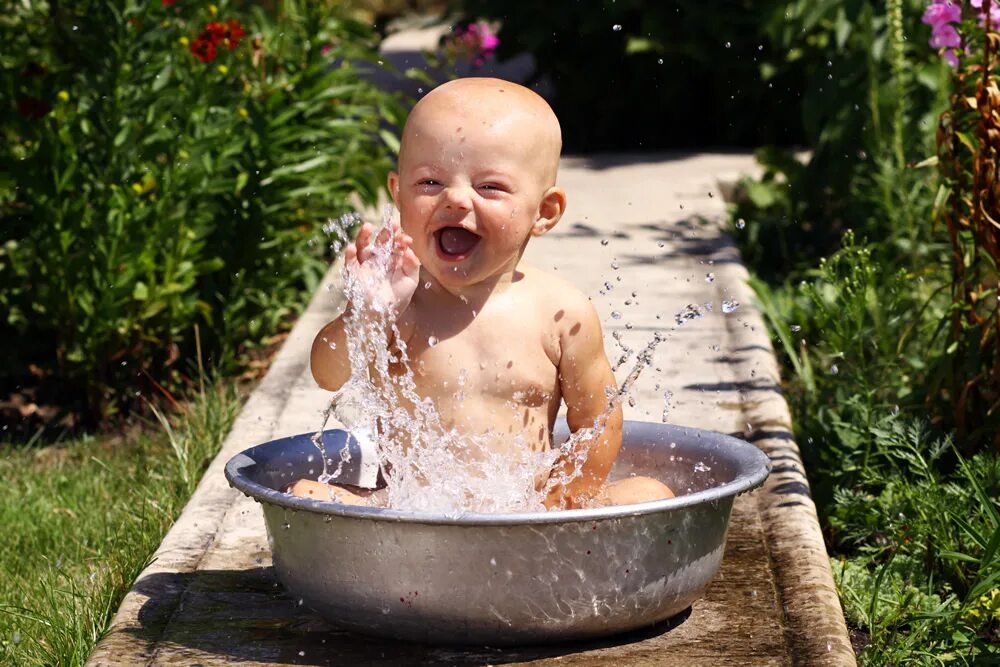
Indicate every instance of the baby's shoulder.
{"type": "Point", "coordinates": [562, 304]}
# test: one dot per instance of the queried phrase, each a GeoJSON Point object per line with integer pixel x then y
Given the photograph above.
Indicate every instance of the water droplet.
{"type": "Point", "coordinates": [427, 285]}
{"type": "Point", "coordinates": [614, 265]}
{"type": "Point", "coordinates": [730, 306]}
{"type": "Point", "coordinates": [659, 61]}
{"type": "Point", "coordinates": [617, 27]}
{"type": "Point", "coordinates": [615, 315]}
{"type": "Point", "coordinates": [631, 401]}
{"type": "Point", "coordinates": [741, 223]}
{"type": "Point", "coordinates": [604, 242]}
{"type": "Point", "coordinates": [729, 44]}
{"type": "Point", "coordinates": [432, 341]}
{"type": "Point", "coordinates": [834, 370]}
{"type": "Point", "coordinates": [709, 277]}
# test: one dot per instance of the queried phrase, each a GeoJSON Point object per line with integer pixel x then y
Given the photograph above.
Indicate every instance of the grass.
{"type": "Point", "coordinates": [82, 519]}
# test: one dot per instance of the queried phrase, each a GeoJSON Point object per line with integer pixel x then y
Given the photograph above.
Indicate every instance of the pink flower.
{"type": "Point", "coordinates": [488, 41]}
{"type": "Point", "coordinates": [473, 42]}
{"type": "Point", "coordinates": [945, 36]}
{"type": "Point", "coordinates": [950, 58]}
{"type": "Point", "coordinates": [942, 11]}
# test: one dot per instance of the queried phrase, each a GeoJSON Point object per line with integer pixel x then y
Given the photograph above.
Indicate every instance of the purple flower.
{"type": "Point", "coordinates": [994, 12]}
{"type": "Point", "coordinates": [945, 36]}
{"type": "Point", "coordinates": [941, 12]}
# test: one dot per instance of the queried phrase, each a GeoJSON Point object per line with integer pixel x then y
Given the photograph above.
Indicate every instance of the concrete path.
{"type": "Point", "coordinates": [211, 597]}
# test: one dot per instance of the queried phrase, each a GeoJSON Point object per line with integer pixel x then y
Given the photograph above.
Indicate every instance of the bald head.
{"type": "Point", "coordinates": [495, 106]}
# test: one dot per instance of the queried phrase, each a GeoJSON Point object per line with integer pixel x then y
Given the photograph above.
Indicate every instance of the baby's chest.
{"type": "Point", "coordinates": [508, 359]}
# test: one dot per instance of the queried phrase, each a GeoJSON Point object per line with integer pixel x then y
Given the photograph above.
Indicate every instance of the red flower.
{"type": "Point", "coordinates": [228, 34]}
{"type": "Point", "coordinates": [168, 3]}
{"type": "Point", "coordinates": [203, 50]}
{"type": "Point", "coordinates": [236, 32]}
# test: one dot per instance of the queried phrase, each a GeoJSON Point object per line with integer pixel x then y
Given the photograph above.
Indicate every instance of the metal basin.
{"type": "Point", "coordinates": [506, 578]}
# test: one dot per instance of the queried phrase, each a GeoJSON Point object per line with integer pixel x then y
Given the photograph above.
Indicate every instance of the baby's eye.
{"type": "Point", "coordinates": [490, 187]}
{"type": "Point", "coordinates": [428, 181]}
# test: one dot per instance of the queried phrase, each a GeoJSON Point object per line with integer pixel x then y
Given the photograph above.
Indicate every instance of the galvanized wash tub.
{"type": "Point", "coordinates": [505, 578]}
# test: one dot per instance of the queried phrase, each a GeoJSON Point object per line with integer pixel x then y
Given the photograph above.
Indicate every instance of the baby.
{"type": "Point", "coordinates": [477, 180]}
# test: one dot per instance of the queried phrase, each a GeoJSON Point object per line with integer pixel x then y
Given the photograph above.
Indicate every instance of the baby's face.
{"type": "Point", "coordinates": [471, 190]}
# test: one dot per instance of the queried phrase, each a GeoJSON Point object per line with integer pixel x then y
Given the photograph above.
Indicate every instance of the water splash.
{"type": "Point", "coordinates": [427, 466]}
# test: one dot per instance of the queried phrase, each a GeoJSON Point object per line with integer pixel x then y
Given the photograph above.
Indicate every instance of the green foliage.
{"type": "Point", "coordinates": [871, 104]}
{"type": "Point", "coordinates": [863, 331]}
{"type": "Point", "coordinates": [925, 563]}
{"type": "Point", "coordinates": [143, 191]}
{"type": "Point", "coordinates": [83, 519]}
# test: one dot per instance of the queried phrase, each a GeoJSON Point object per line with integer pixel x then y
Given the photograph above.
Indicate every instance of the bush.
{"type": "Point", "coordinates": [165, 165]}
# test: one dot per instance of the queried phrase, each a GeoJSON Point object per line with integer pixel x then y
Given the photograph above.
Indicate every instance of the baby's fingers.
{"type": "Point", "coordinates": [350, 253]}
{"type": "Point", "coordinates": [409, 264]}
{"type": "Point", "coordinates": [363, 242]}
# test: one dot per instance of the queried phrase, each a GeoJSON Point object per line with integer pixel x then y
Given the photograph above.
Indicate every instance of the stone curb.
{"type": "Point", "coordinates": [816, 631]}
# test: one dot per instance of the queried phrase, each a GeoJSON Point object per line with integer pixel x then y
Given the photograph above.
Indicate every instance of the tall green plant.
{"type": "Point", "coordinates": [969, 155]}
{"type": "Point", "coordinates": [167, 164]}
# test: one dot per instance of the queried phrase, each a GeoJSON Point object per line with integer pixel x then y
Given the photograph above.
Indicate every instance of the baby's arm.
{"type": "Point", "coordinates": [586, 379]}
{"type": "Point", "coordinates": [329, 362]}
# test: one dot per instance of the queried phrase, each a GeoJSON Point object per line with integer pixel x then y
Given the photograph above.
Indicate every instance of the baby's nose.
{"type": "Point", "coordinates": [457, 198]}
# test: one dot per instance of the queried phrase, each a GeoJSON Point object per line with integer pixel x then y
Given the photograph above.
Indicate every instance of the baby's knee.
{"type": "Point", "coordinates": [632, 490]}
{"type": "Point", "coordinates": [305, 488]}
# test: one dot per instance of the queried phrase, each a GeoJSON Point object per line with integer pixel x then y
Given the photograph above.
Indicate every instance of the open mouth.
{"type": "Point", "coordinates": [455, 243]}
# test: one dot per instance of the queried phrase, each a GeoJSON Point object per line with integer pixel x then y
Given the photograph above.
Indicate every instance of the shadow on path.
{"type": "Point", "coordinates": [246, 615]}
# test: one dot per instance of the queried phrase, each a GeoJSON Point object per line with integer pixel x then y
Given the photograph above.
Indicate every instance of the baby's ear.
{"type": "Point", "coordinates": [393, 185]}
{"type": "Point", "coordinates": [549, 211]}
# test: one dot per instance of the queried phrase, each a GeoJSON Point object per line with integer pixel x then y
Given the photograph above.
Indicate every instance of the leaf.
{"type": "Point", "coordinates": [761, 194]}
{"type": "Point", "coordinates": [162, 79]}
{"type": "Point", "coordinates": [390, 139]}
{"type": "Point", "coordinates": [419, 75]}
{"type": "Point", "coordinates": [121, 136]}
{"type": "Point", "coordinates": [641, 45]}
{"type": "Point", "coordinates": [140, 292]}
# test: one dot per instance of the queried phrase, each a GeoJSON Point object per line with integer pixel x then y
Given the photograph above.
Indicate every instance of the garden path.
{"type": "Point", "coordinates": [211, 596]}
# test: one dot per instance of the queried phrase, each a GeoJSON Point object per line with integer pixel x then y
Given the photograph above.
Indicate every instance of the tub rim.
{"type": "Point", "coordinates": [752, 468]}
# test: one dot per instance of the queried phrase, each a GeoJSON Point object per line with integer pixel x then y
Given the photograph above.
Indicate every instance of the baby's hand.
{"type": "Point", "coordinates": [395, 288]}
